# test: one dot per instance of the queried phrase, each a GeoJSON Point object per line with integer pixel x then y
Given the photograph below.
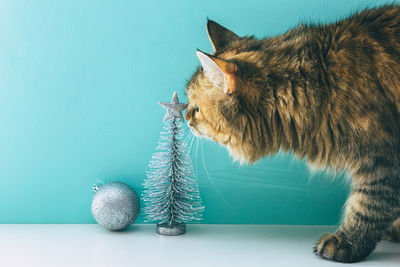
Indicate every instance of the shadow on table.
{"type": "Point", "coordinates": [386, 252]}
{"type": "Point", "coordinates": [259, 232]}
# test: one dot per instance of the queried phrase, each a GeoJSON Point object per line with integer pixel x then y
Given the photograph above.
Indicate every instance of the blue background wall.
{"type": "Point", "coordinates": [79, 85]}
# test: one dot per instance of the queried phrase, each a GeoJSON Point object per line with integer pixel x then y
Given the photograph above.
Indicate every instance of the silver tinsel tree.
{"type": "Point", "coordinates": [171, 196]}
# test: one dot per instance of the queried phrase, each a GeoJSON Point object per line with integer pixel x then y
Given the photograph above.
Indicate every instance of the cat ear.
{"type": "Point", "coordinates": [220, 72]}
{"type": "Point", "coordinates": [220, 36]}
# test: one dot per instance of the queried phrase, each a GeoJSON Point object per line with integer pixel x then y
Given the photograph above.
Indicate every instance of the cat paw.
{"type": "Point", "coordinates": [337, 248]}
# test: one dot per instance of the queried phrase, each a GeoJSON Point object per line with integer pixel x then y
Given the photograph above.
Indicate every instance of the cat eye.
{"type": "Point", "coordinates": [196, 109]}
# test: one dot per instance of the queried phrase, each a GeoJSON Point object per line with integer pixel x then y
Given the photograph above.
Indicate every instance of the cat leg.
{"type": "Point", "coordinates": [371, 209]}
{"type": "Point", "coordinates": [394, 232]}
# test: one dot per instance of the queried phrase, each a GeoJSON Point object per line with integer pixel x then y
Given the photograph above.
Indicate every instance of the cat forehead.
{"type": "Point", "coordinates": [201, 96]}
{"type": "Point", "coordinates": [198, 84]}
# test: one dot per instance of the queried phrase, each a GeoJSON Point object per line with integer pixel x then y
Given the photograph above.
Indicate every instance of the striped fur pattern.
{"type": "Point", "coordinates": [328, 93]}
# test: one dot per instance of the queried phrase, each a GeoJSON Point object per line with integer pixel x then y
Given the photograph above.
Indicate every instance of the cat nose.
{"type": "Point", "coordinates": [187, 115]}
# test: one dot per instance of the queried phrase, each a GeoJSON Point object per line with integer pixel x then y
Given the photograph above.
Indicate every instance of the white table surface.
{"type": "Point", "coordinates": [88, 245]}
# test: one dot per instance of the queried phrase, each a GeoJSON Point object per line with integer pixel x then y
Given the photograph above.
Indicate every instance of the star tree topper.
{"type": "Point", "coordinates": [174, 108]}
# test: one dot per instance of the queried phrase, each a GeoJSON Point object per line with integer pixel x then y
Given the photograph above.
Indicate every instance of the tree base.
{"type": "Point", "coordinates": [170, 230]}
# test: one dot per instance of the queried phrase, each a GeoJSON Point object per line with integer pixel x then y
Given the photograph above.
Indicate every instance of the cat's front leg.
{"type": "Point", "coordinates": [370, 211]}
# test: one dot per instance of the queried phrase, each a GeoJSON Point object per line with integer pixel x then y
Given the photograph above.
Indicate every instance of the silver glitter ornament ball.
{"type": "Point", "coordinates": [115, 205]}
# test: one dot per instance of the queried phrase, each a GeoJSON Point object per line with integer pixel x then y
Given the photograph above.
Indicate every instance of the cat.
{"type": "Point", "coordinates": [327, 93]}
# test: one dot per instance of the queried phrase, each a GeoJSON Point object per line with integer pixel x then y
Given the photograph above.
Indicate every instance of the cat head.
{"type": "Point", "coordinates": [222, 93]}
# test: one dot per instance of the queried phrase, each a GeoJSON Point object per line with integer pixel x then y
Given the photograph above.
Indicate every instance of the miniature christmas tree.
{"type": "Point", "coordinates": [171, 194]}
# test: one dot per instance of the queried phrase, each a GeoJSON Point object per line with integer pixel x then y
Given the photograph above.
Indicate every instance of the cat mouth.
{"type": "Point", "coordinates": [194, 131]}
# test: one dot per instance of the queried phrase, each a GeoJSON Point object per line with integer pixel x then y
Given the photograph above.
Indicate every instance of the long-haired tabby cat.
{"type": "Point", "coordinates": [328, 93]}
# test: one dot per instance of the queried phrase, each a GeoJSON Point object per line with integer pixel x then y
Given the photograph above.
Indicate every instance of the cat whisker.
{"type": "Point", "coordinates": [191, 144]}
{"type": "Point", "coordinates": [188, 137]}
{"type": "Point", "coordinates": [211, 180]}
{"type": "Point", "coordinates": [197, 149]}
